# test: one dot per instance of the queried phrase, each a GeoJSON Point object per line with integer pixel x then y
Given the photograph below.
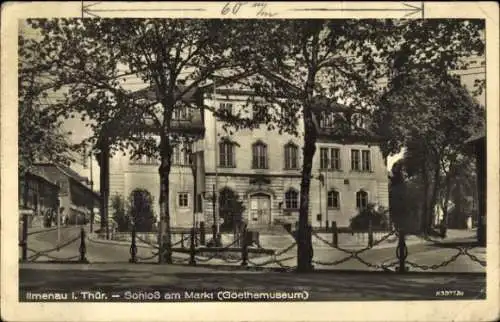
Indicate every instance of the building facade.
{"type": "Point", "coordinates": [255, 175]}
{"type": "Point", "coordinates": [76, 199]}
{"type": "Point", "coordinates": [38, 198]}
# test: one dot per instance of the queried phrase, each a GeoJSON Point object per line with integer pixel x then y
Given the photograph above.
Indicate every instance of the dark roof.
{"type": "Point", "coordinates": [149, 93]}
{"type": "Point", "coordinates": [70, 173]}
{"type": "Point", "coordinates": [34, 173]}
{"type": "Point", "coordinates": [479, 134]}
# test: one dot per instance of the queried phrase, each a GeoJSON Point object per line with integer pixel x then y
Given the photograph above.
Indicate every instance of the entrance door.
{"type": "Point", "coordinates": [260, 210]}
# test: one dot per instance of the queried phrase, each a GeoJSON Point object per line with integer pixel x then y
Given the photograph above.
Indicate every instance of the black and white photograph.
{"type": "Point", "coordinates": [252, 157]}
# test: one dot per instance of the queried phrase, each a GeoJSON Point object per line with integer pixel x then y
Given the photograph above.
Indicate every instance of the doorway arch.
{"type": "Point", "coordinates": [259, 209]}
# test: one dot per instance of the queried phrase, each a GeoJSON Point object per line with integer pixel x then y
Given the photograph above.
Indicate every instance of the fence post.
{"type": "Point", "coordinates": [202, 233]}
{"type": "Point", "coordinates": [192, 250]}
{"type": "Point", "coordinates": [335, 234]}
{"type": "Point", "coordinates": [182, 240]}
{"type": "Point", "coordinates": [83, 248]}
{"type": "Point", "coordinates": [244, 248]}
{"type": "Point", "coordinates": [24, 238]}
{"type": "Point", "coordinates": [370, 233]}
{"type": "Point", "coordinates": [133, 247]}
{"type": "Point", "coordinates": [402, 252]}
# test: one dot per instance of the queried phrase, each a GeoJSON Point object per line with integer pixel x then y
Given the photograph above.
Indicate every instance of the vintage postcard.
{"type": "Point", "coordinates": [255, 161]}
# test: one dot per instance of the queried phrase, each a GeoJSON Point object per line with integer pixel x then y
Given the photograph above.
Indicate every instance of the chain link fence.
{"type": "Point", "coordinates": [240, 251]}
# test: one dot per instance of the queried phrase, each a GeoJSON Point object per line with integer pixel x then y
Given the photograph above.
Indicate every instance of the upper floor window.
{"type": "Point", "coordinates": [182, 154]}
{"type": "Point", "coordinates": [327, 120]}
{"type": "Point", "coordinates": [227, 155]}
{"type": "Point", "coordinates": [291, 199]}
{"type": "Point", "coordinates": [333, 199]}
{"type": "Point", "coordinates": [330, 158]}
{"type": "Point", "coordinates": [228, 107]}
{"type": "Point", "coordinates": [259, 113]}
{"type": "Point", "coordinates": [365, 160]}
{"type": "Point", "coordinates": [361, 199]}
{"type": "Point", "coordinates": [355, 160]}
{"type": "Point", "coordinates": [259, 155]}
{"type": "Point", "coordinates": [291, 156]}
{"type": "Point", "coordinates": [181, 113]}
{"type": "Point", "coordinates": [144, 159]}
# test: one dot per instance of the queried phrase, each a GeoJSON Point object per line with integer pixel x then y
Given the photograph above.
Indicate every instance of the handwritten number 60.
{"type": "Point", "coordinates": [227, 8]}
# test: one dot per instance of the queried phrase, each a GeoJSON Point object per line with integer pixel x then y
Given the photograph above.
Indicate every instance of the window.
{"type": "Point", "coordinates": [182, 154]}
{"type": "Point", "coordinates": [176, 155]}
{"type": "Point", "coordinates": [226, 107]}
{"type": "Point", "coordinates": [259, 153]}
{"type": "Point", "coordinates": [355, 160]}
{"type": "Point", "coordinates": [327, 120]}
{"type": "Point", "coordinates": [361, 199]}
{"type": "Point", "coordinates": [323, 154]}
{"type": "Point", "coordinates": [144, 159]}
{"type": "Point", "coordinates": [365, 160]}
{"type": "Point", "coordinates": [226, 155]}
{"type": "Point", "coordinates": [188, 150]}
{"type": "Point", "coordinates": [259, 113]}
{"type": "Point", "coordinates": [291, 199]}
{"type": "Point", "coordinates": [333, 199]}
{"type": "Point", "coordinates": [291, 156]}
{"type": "Point", "coordinates": [335, 158]}
{"type": "Point", "coordinates": [330, 158]}
{"type": "Point", "coordinates": [183, 200]}
{"type": "Point", "coordinates": [181, 113]}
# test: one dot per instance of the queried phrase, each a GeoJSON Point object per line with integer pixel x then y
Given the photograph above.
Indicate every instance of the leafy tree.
{"type": "Point", "coordinates": [432, 116]}
{"type": "Point", "coordinates": [459, 182]}
{"type": "Point", "coordinates": [306, 68]}
{"type": "Point", "coordinates": [95, 57]}
{"type": "Point", "coordinates": [231, 209]}
{"type": "Point", "coordinates": [40, 134]}
{"type": "Point", "coordinates": [310, 68]}
{"type": "Point", "coordinates": [141, 210]}
{"type": "Point", "coordinates": [120, 213]}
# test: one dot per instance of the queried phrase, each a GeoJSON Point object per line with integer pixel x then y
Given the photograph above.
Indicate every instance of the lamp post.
{"type": "Point", "coordinates": [194, 170]}
{"type": "Point", "coordinates": [215, 225]}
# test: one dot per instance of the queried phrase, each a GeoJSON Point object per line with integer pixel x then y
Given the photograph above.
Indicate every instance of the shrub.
{"type": "Point", "coordinates": [120, 215]}
{"type": "Point", "coordinates": [379, 217]}
{"type": "Point", "coordinates": [141, 210]}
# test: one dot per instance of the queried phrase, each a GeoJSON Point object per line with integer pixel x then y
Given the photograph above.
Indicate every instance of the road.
{"type": "Point", "coordinates": [333, 285]}
{"type": "Point", "coordinates": [418, 254]}
{"type": "Point", "coordinates": [109, 270]}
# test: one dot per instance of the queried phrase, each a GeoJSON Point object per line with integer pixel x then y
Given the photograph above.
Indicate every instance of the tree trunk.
{"type": "Point", "coordinates": [304, 256]}
{"type": "Point", "coordinates": [446, 200]}
{"type": "Point", "coordinates": [165, 238]}
{"type": "Point", "coordinates": [425, 206]}
{"type": "Point", "coordinates": [433, 201]}
{"type": "Point", "coordinates": [103, 161]}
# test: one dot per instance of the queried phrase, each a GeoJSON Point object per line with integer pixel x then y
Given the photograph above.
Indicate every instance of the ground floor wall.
{"type": "Point", "coordinates": [267, 198]}
{"type": "Point", "coordinates": [262, 197]}
{"type": "Point", "coordinates": [181, 183]}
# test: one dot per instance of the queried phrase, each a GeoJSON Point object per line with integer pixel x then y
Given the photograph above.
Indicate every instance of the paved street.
{"type": "Point", "coordinates": [321, 286]}
{"type": "Point", "coordinates": [351, 280]}
{"type": "Point", "coordinates": [423, 254]}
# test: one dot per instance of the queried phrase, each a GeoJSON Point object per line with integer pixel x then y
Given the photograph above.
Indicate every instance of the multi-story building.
{"type": "Point", "coordinates": [256, 174]}
{"type": "Point", "coordinates": [76, 198]}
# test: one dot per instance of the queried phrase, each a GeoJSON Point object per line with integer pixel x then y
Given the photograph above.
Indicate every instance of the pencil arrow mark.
{"type": "Point", "coordinates": [98, 8]}
{"type": "Point", "coordinates": [409, 9]}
